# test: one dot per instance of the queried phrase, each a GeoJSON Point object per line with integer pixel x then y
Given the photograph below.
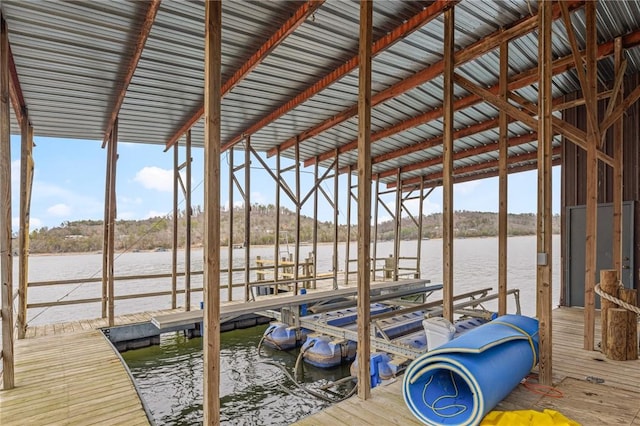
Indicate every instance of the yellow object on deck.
{"type": "Point", "coordinates": [526, 418]}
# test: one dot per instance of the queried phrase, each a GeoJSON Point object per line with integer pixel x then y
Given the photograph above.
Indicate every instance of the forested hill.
{"type": "Point", "coordinates": [156, 233]}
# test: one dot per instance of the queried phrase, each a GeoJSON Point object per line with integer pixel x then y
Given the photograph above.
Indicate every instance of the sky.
{"type": "Point", "coordinates": [69, 184]}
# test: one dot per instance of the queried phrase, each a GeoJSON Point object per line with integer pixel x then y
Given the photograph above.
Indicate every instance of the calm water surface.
{"type": "Point", "coordinates": [255, 393]}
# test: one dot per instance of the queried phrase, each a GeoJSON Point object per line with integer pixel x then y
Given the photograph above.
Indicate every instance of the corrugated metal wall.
{"type": "Point", "coordinates": [574, 168]}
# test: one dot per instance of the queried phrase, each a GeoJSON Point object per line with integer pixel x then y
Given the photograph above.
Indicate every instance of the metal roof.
{"type": "Point", "coordinates": [71, 58]}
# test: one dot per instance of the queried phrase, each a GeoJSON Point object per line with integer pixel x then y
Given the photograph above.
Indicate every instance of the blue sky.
{"type": "Point", "coordinates": [70, 174]}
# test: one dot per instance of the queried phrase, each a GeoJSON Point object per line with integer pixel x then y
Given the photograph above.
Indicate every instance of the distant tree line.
{"type": "Point", "coordinates": [156, 233]}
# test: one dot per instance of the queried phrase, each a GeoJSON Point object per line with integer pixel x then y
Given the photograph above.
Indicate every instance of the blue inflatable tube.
{"type": "Point", "coordinates": [459, 382]}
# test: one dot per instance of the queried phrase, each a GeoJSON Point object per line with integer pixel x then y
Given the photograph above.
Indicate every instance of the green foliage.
{"type": "Point", "coordinates": [154, 233]}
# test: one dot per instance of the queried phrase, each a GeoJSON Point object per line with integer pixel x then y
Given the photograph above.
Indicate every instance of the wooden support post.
{"type": "Point", "coordinates": [618, 157]}
{"type": "Point", "coordinates": [113, 154]}
{"type": "Point", "coordinates": [447, 166]}
{"type": "Point", "coordinates": [174, 245]}
{"type": "Point", "coordinates": [316, 172]}
{"type": "Point", "coordinates": [397, 227]}
{"type": "Point", "coordinates": [6, 261]}
{"type": "Point", "coordinates": [276, 257]}
{"type": "Point", "coordinates": [592, 182]}
{"type": "Point", "coordinates": [364, 199]}
{"type": "Point", "coordinates": [105, 234]}
{"type": "Point", "coordinates": [335, 220]}
{"type": "Point", "coordinates": [502, 181]}
{"type": "Point", "coordinates": [376, 202]}
{"type": "Point", "coordinates": [347, 253]}
{"type": "Point", "coordinates": [187, 235]}
{"type": "Point", "coordinates": [230, 248]}
{"type": "Point", "coordinates": [631, 297]}
{"type": "Point", "coordinates": [608, 284]}
{"type": "Point", "coordinates": [617, 332]}
{"type": "Point", "coordinates": [212, 142]}
{"type": "Point", "coordinates": [26, 179]}
{"type": "Point", "coordinates": [420, 226]}
{"type": "Point", "coordinates": [544, 231]}
{"type": "Point", "coordinates": [296, 253]}
{"type": "Point", "coordinates": [247, 215]}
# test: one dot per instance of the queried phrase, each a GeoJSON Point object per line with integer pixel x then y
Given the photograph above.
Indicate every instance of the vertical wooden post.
{"type": "Point", "coordinates": [105, 232]}
{"type": "Point", "coordinates": [212, 142]}
{"type": "Point", "coordinates": [230, 247]}
{"type": "Point", "coordinates": [420, 222]}
{"type": "Point", "coordinates": [315, 224]}
{"type": "Point", "coordinates": [447, 166]}
{"type": "Point", "coordinates": [276, 257]}
{"type": "Point", "coordinates": [188, 214]}
{"type": "Point", "coordinates": [364, 198]}
{"type": "Point", "coordinates": [113, 152]}
{"type": "Point", "coordinates": [618, 150]}
{"type": "Point", "coordinates": [346, 249]}
{"type": "Point", "coordinates": [617, 332]}
{"type": "Point", "coordinates": [503, 181]}
{"type": "Point", "coordinates": [374, 252]}
{"type": "Point", "coordinates": [630, 296]}
{"type": "Point", "coordinates": [174, 245]}
{"type": "Point", "coordinates": [592, 180]}
{"type": "Point", "coordinates": [6, 262]}
{"type": "Point", "coordinates": [26, 178]}
{"type": "Point", "coordinates": [545, 139]}
{"type": "Point", "coordinates": [247, 215]}
{"type": "Point", "coordinates": [336, 172]}
{"type": "Point", "coordinates": [397, 226]}
{"type": "Point", "coordinates": [296, 255]}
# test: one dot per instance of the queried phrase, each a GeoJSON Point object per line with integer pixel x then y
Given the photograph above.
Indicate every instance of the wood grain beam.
{"type": "Point", "coordinates": [525, 78]}
{"type": "Point", "coordinates": [503, 156]}
{"type": "Point", "coordinates": [364, 199]}
{"type": "Point", "coordinates": [15, 91]}
{"type": "Point", "coordinates": [145, 29]}
{"type": "Point", "coordinates": [297, 19]}
{"type": "Point", "coordinates": [618, 170]}
{"type": "Point", "coordinates": [211, 279]}
{"type": "Point", "coordinates": [415, 22]}
{"type": "Point", "coordinates": [473, 51]}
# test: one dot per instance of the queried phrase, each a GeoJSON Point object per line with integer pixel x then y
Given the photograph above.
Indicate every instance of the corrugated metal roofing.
{"type": "Point", "coordinates": [71, 57]}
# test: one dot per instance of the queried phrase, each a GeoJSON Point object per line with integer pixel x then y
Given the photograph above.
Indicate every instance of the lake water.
{"type": "Point", "coordinates": [252, 392]}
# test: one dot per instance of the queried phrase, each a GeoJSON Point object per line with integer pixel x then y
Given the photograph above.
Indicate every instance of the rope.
{"type": "Point", "coordinates": [617, 301]}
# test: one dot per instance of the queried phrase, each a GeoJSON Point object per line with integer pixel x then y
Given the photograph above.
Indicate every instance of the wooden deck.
{"type": "Point", "coordinates": [70, 378]}
{"type": "Point", "coordinates": [577, 374]}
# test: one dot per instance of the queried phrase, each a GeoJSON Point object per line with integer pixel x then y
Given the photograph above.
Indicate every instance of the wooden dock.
{"type": "Point", "coordinates": [595, 390]}
{"type": "Point", "coordinates": [70, 378]}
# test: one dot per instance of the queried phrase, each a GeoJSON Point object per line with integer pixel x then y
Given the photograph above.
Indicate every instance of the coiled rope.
{"type": "Point", "coordinates": [617, 301]}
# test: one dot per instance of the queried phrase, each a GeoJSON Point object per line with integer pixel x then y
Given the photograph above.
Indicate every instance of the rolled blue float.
{"type": "Point", "coordinates": [459, 382]}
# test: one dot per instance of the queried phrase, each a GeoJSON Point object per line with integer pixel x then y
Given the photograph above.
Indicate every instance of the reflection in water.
{"type": "Point", "coordinates": [169, 377]}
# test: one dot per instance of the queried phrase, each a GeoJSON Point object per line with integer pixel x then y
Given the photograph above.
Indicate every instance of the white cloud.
{"type": "Point", "coordinates": [35, 223]}
{"type": "Point", "coordinates": [257, 197]}
{"type": "Point", "coordinates": [127, 200]}
{"type": "Point", "coordinates": [466, 187]}
{"type": "Point", "coordinates": [155, 178]}
{"type": "Point", "coordinates": [154, 213]}
{"type": "Point", "coordinates": [60, 210]}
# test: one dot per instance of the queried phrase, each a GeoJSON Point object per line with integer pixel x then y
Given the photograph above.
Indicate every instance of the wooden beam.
{"type": "Point", "coordinates": [6, 261]}
{"type": "Point", "coordinates": [618, 157]}
{"type": "Point", "coordinates": [544, 216]}
{"type": "Point", "coordinates": [447, 166]}
{"type": "Point", "coordinates": [591, 226]}
{"type": "Point", "coordinates": [174, 245]}
{"type": "Point", "coordinates": [364, 199]}
{"type": "Point", "coordinates": [297, 19]}
{"type": "Point", "coordinates": [617, 93]}
{"type": "Point", "coordinates": [525, 78]}
{"type": "Point", "coordinates": [620, 109]}
{"type": "Point", "coordinates": [188, 215]}
{"type": "Point", "coordinates": [231, 163]}
{"type": "Point", "coordinates": [145, 29]}
{"type": "Point", "coordinates": [113, 161]}
{"type": "Point", "coordinates": [482, 149]}
{"type": "Point", "coordinates": [247, 215]}
{"type": "Point", "coordinates": [105, 236]}
{"type": "Point", "coordinates": [15, 91]}
{"type": "Point", "coordinates": [475, 50]}
{"type": "Point", "coordinates": [26, 179]}
{"type": "Point", "coordinates": [588, 91]}
{"type": "Point", "coordinates": [502, 181]}
{"type": "Point", "coordinates": [212, 142]}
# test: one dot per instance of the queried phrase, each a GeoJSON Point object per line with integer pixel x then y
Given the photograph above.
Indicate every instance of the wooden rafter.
{"type": "Point", "coordinates": [15, 91]}
{"type": "Point", "coordinates": [516, 82]}
{"type": "Point", "coordinates": [616, 92]}
{"type": "Point", "coordinates": [145, 29]}
{"type": "Point", "coordinates": [475, 50]}
{"type": "Point", "coordinates": [409, 26]}
{"type": "Point", "coordinates": [473, 168]}
{"type": "Point", "coordinates": [587, 91]}
{"type": "Point", "coordinates": [620, 109]}
{"type": "Point", "coordinates": [297, 19]}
